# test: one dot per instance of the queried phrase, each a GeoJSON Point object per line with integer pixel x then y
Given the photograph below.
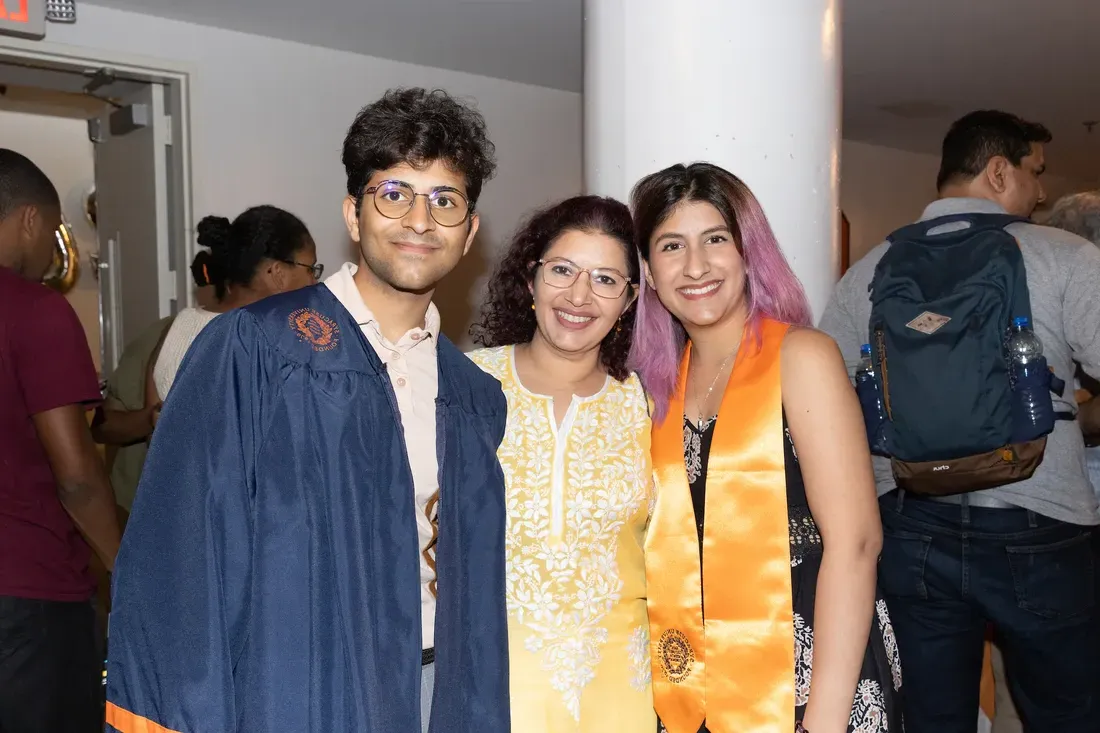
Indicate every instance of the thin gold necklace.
{"type": "Point", "coordinates": [699, 404]}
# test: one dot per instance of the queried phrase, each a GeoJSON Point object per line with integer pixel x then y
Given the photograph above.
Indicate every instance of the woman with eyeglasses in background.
{"type": "Point", "coordinates": [557, 323]}
{"type": "Point", "coordinates": [264, 251]}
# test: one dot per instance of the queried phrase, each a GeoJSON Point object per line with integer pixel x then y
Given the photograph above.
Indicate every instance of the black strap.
{"type": "Point", "coordinates": [920, 230]}
{"type": "Point", "coordinates": [427, 656]}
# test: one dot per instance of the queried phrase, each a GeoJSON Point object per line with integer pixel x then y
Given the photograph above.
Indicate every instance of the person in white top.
{"type": "Point", "coordinates": [1079, 213]}
{"type": "Point", "coordinates": [264, 251]}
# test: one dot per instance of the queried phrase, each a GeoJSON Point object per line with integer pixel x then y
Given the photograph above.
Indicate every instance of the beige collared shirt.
{"type": "Point", "coordinates": [414, 374]}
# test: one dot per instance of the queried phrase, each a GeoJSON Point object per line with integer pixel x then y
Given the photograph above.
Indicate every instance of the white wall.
{"type": "Point", "coordinates": [882, 189]}
{"type": "Point", "coordinates": [60, 147]}
{"type": "Point", "coordinates": [269, 118]}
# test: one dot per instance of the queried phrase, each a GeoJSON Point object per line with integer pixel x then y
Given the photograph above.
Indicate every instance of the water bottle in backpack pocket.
{"type": "Point", "coordinates": [1032, 408]}
{"type": "Point", "coordinates": [966, 393]}
{"type": "Point", "coordinates": [870, 401]}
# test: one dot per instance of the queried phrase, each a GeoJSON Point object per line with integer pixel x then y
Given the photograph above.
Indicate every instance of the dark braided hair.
{"type": "Point", "coordinates": [507, 317]}
{"type": "Point", "coordinates": [238, 248]}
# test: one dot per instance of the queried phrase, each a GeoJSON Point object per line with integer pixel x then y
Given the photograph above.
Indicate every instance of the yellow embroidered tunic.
{"type": "Point", "coordinates": [579, 499]}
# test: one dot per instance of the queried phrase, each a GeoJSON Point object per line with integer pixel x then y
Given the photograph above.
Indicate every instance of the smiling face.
{"type": "Point", "coordinates": [695, 266]}
{"type": "Point", "coordinates": [580, 290]}
{"type": "Point", "coordinates": [413, 252]}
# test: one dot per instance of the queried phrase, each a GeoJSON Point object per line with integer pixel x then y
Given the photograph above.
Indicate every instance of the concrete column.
{"type": "Point", "coordinates": [750, 85]}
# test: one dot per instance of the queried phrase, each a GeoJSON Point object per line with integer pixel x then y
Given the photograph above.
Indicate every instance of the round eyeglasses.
{"type": "Point", "coordinates": [561, 273]}
{"type": "Point", "coordinates": [395, 199]}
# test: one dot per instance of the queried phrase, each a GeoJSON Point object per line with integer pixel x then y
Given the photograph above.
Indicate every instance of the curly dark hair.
{"type": "Point", "coordinates": [507, 317]}
{"type": "Point", "coordinates": [418, 127]}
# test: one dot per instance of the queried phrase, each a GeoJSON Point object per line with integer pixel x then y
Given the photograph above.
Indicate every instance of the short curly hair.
{"type": "Point", "coordinates": [507, 317]}
{"type": "Point", "coordinates": [418, 127]}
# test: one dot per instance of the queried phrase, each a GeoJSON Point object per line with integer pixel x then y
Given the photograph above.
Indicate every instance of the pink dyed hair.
{"type": "Point", "coordinates": [773, 289]}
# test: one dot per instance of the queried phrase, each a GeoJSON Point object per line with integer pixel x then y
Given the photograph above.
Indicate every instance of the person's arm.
{"type": "Point", "coordinates": [1080, 317]}
{"type": "Point", "coordinates": [826, 427]}
{"type": "Point", "coordinates": [115, 423]}
{"type": "Point", "coordinates": [1088, 416]}
{"type": "Point", "coordinates": [123, 427]}
{"type": "Point", "coordinates": [180, 615]}
{"type": "Point", "coordinates": [59, 385]}
{"type": "Point", "coordinates": [152, 397]}
{"type": "Point", "coordinates": [82, 483]}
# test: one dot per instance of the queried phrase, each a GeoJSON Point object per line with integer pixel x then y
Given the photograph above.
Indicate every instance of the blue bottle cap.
{"type": "Point", "coordinates": [865, 350]}
{"type": "Point", "coordinates": [1021, 322]}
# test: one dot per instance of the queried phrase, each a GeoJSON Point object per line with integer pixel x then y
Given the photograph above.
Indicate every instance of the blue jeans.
{"type": "Point", "coordinates": [948, 570]}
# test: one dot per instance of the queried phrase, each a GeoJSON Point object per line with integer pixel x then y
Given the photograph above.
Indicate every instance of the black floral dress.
{"type": "Point", "coordinates": [877, 704]}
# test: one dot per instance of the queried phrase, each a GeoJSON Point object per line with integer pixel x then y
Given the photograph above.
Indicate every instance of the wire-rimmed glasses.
{"type": "Point", "coordinates": [395, 199]}
{"type": "Point", "coordinates": [607, 282]}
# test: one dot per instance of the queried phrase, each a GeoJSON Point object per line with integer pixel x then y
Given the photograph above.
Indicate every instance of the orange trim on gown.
{"type": "Point", "coordinates": [124, 721]}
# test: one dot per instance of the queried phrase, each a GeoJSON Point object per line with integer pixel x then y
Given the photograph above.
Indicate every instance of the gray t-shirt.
{"type": "Point", "coordinates": [1063, 277]}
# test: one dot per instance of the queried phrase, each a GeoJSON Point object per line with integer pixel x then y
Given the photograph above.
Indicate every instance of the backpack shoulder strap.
{"type": "Point", "coordinates": [919, 232]}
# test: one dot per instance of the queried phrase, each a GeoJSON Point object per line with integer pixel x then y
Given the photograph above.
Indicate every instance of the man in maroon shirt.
{"type": "Point", "coordinates": [54, 491]}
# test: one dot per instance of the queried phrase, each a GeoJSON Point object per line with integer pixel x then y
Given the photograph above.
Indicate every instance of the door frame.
{"type": "Point", "coordinates": [179, 82]}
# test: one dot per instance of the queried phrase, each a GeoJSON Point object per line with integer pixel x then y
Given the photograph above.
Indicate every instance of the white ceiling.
{"type": "Point", "coordinates": [935, 60]}
{"type": "Point", "coordinates": [533, 41]}
{"type": "Point", "coordinates": [928, 61]}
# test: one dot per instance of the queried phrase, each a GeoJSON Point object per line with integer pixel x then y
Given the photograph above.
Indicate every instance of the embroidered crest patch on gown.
{"type": "Point", "coordinates": [269, 578]}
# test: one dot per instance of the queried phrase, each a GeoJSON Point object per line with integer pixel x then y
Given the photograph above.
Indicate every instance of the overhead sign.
{"type": "Point", "coordinates": [23, 18]}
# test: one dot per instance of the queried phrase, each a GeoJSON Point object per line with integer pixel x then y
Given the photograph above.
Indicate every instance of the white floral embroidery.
{"type": "Point", "coordinates": [693, 447]}
{"type": "Point", "coordinates": [869, 705]}
{"type": "Point", "coordinates": [869, 709]}
{"type": "Point", "coordinates": [693, 460]}
{"type": "Point", "coordinates": [890, 642]}
{"type": "Point", "coordinates": [804, 536]}
{"type": "Point", "coordinates": [652, 496]}
{"type": "Point", "coordinates": [787, 432]}
{"type": "Point", "coordinates": [561, 587]}
{"type": "Point", "coordinates": [638, 650]}
{"type": "Point", "coordinates": [803, 660]}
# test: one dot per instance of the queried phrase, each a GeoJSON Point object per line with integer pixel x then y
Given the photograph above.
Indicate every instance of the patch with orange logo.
{"type": "Point", "coordinates": [315, 329]}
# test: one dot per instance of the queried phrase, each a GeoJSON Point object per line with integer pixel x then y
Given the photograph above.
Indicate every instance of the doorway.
{"type": "Point", "coordinates": [113, 136]}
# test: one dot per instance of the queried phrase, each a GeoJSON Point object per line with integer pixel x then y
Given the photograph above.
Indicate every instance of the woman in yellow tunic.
{"type": "Point", "coordinates": [558, 321]}
{"type": "Point", "coordinates": [762, 549]}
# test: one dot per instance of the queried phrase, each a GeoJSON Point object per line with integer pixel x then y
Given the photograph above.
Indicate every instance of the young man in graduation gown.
{"type": "Point", "coordinates": [318, 539]}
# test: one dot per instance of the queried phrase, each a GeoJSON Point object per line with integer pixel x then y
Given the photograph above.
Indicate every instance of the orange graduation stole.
{"type": "Point", "coordinates": [735, 669]}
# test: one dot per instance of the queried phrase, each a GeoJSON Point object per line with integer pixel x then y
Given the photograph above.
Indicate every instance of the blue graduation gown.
{"type": "Point", "coordinates": [269, 575]}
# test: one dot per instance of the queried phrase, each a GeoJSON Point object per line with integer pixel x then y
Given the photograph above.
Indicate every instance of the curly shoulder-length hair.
{"type": "Point", "coordinates": [507, 317]}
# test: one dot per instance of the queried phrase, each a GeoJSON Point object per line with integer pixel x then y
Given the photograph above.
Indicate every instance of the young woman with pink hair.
{"type": "Point", "coordinates": [765, 615]}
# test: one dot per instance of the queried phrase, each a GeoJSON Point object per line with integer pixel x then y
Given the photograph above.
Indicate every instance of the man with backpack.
{"type": "Point", "coordinates": [988, 515]}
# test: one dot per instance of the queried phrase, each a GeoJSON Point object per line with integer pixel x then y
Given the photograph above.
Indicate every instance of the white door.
{"type": "Point", "coordinates": [136, 284]}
